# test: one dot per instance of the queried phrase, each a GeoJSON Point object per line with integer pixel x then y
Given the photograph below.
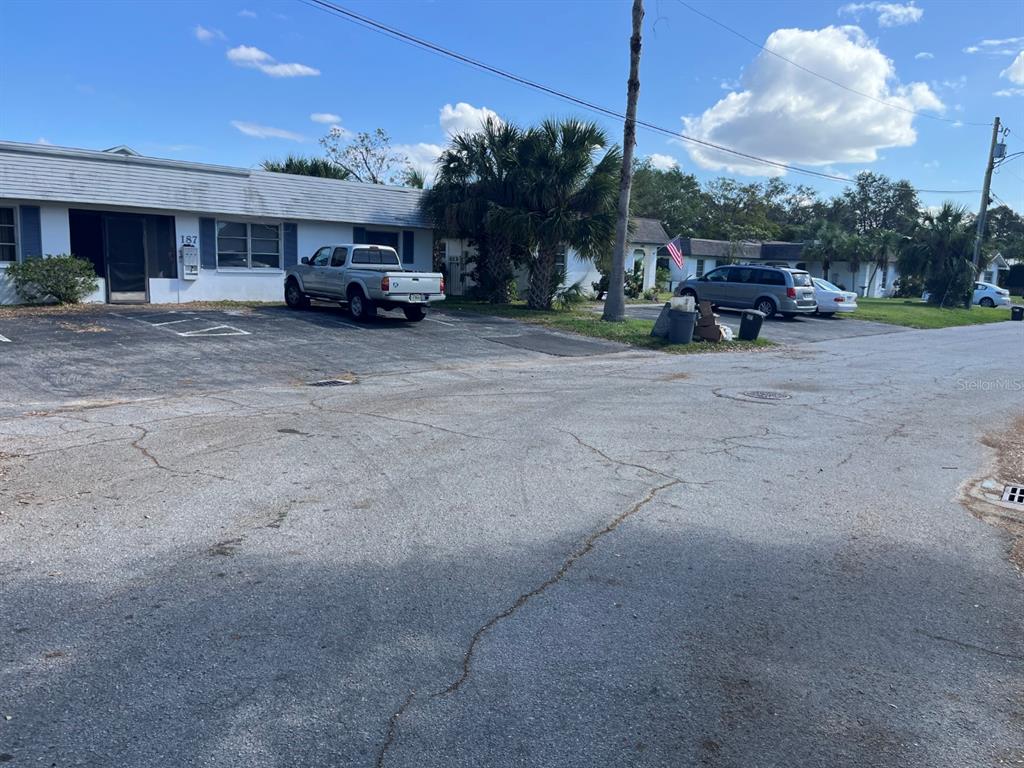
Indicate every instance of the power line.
{"type": "Point", "coordinates": [826, 78]}
{"type": "Point", "coordinates": [399, 35]}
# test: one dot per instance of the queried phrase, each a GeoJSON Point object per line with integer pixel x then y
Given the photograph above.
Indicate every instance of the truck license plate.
{"type": "Point", "coordinates": [415, 297]}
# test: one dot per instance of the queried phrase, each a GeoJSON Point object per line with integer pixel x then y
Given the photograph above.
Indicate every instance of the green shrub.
{"type": "Point", "coordinates": [652, 293]}
{"type": "Point", "coordinates": [63, 279]}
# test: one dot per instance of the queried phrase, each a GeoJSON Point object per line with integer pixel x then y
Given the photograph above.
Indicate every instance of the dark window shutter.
{"type": "Point", "coordinates": [31, 232]}
{"type": "Point", "coordinates": [359, 234]}
{"type": "Point", "coordinates": [291, 244]}
{"type": "Point", "coordinates": [208, 243]}
{"type": "Point", "coordinates": [408, 247]}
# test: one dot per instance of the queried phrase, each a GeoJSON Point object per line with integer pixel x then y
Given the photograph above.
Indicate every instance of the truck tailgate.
{"type": "Point", "coordinates": [414, 282]}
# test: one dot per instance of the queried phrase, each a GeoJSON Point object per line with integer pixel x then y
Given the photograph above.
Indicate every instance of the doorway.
{"type": "Point", "coordinates": [126, 249]}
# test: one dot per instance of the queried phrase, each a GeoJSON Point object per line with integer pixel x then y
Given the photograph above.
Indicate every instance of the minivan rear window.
{"type": "Point", "coordinates": [801, 280]}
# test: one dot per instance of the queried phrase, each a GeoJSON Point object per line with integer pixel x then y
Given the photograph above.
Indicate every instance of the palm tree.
{"type": "Point", "coordinates": [939, 254]}
{"type": "Point", "coordinates": [566, 198]}
{"type": "Point", "coordinates": [884, 243]}
{"type": "Point", "coordinates": [475, 186]}
{"type": "Point", "coordinates": [307, 166]}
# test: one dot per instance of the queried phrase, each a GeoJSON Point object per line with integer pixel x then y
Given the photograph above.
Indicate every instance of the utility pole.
{"type": "Point", "coordinates": [983, 211]}
{"type": "Point", "coordinates": [615, 302]}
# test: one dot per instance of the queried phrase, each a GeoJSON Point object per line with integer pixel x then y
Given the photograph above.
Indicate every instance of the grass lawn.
{"type": "Point", "coordinates": [634, 332]}
{"type": "Point", "coordinates": [914, 313]}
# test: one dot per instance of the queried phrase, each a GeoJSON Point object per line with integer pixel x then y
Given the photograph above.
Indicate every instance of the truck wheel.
{"type": "Point", "coordinates": [362, 308]}
{"type": "Point", "coordinates": [414, 314]}
{"type": "Point", "coordinates": [293, 295]}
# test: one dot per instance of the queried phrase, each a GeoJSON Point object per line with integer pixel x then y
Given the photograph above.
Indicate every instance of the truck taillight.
{"type": "Point", "coordinates": [791, 292]}
{"type": "Point", "coordinates": [442, 283]}
{"type": "Point", "coordinates": [840, 298]}
{"type": "Point", "coordinates": [385, 284]}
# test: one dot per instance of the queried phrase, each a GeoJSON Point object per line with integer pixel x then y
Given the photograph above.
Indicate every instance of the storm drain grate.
{"type": "Point", "coordinates": [328, 383]}
{"type": "Point", "coordinates": [1014, 494]}
{"type": "Point", "coordinates": [761, 394]}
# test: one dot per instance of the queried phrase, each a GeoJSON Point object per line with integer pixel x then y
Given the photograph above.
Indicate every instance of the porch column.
{"type": "Point", "coordinates": [650, 266]}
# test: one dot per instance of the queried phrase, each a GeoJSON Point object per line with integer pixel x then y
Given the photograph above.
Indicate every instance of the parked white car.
{"type": "Point", "coordinates": [832, 298]}
{"type": "Point", "coordinates": [990, 295]}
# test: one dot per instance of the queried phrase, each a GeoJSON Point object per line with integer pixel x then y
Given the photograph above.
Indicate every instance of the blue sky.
{"type": "Point", "coordinates": [237, 82]}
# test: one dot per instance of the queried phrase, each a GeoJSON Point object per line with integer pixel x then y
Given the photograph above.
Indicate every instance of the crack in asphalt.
{"type": "Point", "coordinates": [137, 445]}
{"type": "Point", "coordinates": [972, 646]}
{"type": "Point", "coordinates": [467, 658]}
{"type": "Point", "coordinates": [623, 463]}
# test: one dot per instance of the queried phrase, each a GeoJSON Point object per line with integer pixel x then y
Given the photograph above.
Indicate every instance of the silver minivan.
{"type": "Point", "coordinates": [788, 292]}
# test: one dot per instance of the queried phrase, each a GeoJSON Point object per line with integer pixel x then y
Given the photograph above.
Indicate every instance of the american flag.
{"type": "Point", "coordinates": [675, 250]}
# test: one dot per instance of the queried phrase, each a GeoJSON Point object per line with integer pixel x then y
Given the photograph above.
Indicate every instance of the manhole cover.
{"type": "Point", "coordinates": [764, 394]}
{"type": "Point", "coordinates": [1014, 494]}
{"type": "Point", "coordinates": [328, 383]}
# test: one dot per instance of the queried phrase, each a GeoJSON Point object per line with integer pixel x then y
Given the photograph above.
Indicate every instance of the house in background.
{"type": "Point", "coordinates": [647, 237]}
{"type": "Point", "coordinates": [166, 231]}
{"type": "Point", "coordinates": [994, 270]}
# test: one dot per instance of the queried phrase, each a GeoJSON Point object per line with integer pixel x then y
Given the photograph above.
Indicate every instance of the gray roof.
{"type": "Point", "coordinates": [58, 174]}
{"type": "Point", "coordinates": [647, 232]}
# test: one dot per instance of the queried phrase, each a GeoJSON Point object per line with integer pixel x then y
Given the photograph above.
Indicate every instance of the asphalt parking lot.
{"type": "Point", "coordinates": [807, 329]}
{"type": "Point", "coordinates": [110, 352]}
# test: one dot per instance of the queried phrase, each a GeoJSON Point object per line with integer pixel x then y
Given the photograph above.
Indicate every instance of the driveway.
{"type": "Point", "coordinates": [799, 330]}
{"type": "Point", "coordinates": [493, 556]}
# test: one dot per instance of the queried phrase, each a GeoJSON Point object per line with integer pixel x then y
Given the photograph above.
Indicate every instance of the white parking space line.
{"type": "Point", "coordinates": [172, 322]}
{"type": "Point", "coordinates": [214, 330]}
{"type": "Point", "coordinates": [5, 339]}
{"type": "Point", "coordinates": [442, 322]}
{"type": "Point", "coordinates": [225, 330]}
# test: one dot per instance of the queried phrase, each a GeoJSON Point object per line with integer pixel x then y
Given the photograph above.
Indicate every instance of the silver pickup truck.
{"type": "Point", "coordinates": [364, 277]}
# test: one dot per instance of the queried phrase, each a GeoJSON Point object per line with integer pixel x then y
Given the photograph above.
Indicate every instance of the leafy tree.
{"type": "Point", "coordinates": [367, 157]}
{"type": "Point", "coordinates": [673, 197]}
{"type": "Point", "coordinates": [876, 202]}
{"type": "Point", "coordinates": [412, 177]}
{"type": "Point", "coordinates": [1004, 233]}
{"type": "Point", "coordinates": [939, 255]}
{"type": "Point", "coordinates": [307, 166]}
{"type": "Point", "coordinates": [472, 197]}
{"type": "Point", "coordinates": [567, 195]}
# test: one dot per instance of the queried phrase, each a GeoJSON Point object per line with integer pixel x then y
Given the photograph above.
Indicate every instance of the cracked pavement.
{"type": "Point", "coordinates": [510, 559]}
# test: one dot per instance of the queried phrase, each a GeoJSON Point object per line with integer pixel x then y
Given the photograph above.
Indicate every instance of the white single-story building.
{"type": "Point", "coordinates": [647, 236]}
{"type": "Point", "coordinates": [167, 231]}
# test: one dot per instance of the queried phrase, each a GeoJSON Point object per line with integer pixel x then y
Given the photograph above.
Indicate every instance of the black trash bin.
{"type": "Point", "coordinates": [680, 326]}
{"type": "Point", "coordinates": [750, 324]}
{"type": "Point", "coordinates": [1017, 312]}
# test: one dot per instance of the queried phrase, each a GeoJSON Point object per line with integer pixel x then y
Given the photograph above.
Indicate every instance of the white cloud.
{"type": "Point", "coordinates": [663, 162]}
{"type": "Point", "coordinates": [205, 35]}
{"type": "Point", "coordinates": [250, 56]}
{"type": "Point", "coordinates": [421, 156]}
{"type": "Point", "coordinates": [44, 141]}
{"type": "Point", "coordinates": [1015, 72]}
{"type": "Point", "coordinates": [1006, 46]}
{"type": "Point", "coordinates": [325, 117]}
{"type": "Point", "coordinates": [930, 164]}
{"type": "Point", "coordinates": [889, 14]}
{"type": "Point", "coordinates": [1009, 92]}
{"type": "Point", "coordinates": [787, 115]}
{"type": "Point", "coordinates": [266, 132]}
{"type": "Point", "coordinates": [924, 55]}
{"type": "Point", "coordinates": [245, 13]}
{"type": "Point", "coordinates": [464, 118]}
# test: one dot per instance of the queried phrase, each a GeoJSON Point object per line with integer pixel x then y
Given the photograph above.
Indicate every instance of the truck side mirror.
{"type": "Point", "coordinates": [304, 260]}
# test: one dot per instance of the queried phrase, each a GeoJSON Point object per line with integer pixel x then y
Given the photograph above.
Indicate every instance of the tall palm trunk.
{"type": "Point", "coordinates": [500, 270]}
{"type": "Point", "coordinates": [615, 304]}
{"type": "Point", "coordinates": [541, 275]}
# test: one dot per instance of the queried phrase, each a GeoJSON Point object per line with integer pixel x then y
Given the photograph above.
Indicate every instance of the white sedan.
{"type": "Point", "coordinates": [989, 295]}
{"type": "Point", "coordinates": [832, 298]}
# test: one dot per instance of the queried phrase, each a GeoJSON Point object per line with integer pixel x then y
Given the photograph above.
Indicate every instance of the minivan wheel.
{"type": "Point", "coordinates": [987, 302]}
{"type": "Point", "coordinates": [767, 306]}
{"type": "Point", "coordinates": [362, 308]}
{"type": "Point", "coordinates": [294, 297]}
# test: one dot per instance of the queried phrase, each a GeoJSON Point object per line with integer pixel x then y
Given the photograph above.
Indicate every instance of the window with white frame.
{"type": "Point", "coordinates": [8, 251]}
{"type": "Point", "coordinates": [246, 245]}
{"type": "Point", "coordinates": [560, 259]}
{"type": "Point", "coordinates": [700, 267]}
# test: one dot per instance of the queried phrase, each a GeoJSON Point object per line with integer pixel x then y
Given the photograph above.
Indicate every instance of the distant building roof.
{"type": "Point", "coordinates": [115, 178]}
{"type": "Point", "coordinates": [647, 232]}
{"type": "Point", "coordinates": [740, 250]}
